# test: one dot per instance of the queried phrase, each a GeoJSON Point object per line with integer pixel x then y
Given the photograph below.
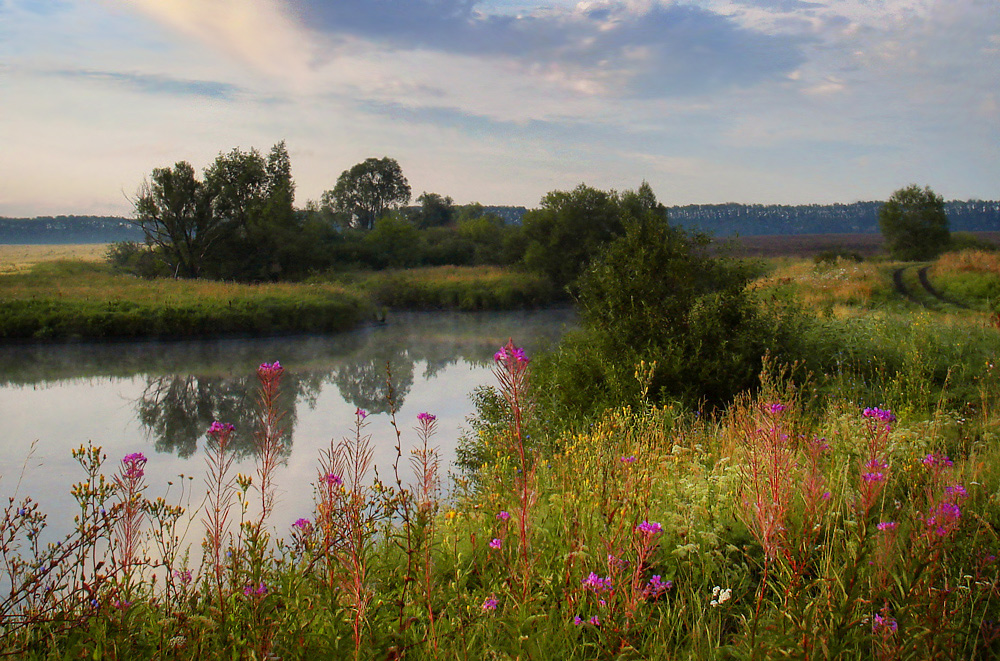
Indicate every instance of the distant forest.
{"type": "Point", "coordinates": [717, 219]}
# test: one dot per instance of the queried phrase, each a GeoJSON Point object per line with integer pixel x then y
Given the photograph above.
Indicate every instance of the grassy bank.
{"type": "Point", "coordinates": [79, 300]}
{"type": "Point", "coordinates": [76, 299]}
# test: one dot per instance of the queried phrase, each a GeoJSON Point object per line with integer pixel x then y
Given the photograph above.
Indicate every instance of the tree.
{"type": "Point", "coordinates": [914, 224]}
{"type": "Point", "coordinates": [435, 211]}
{"type": "Point", "coordinates": [174, 212]}
{"type": "Point", "coordinates": [568, 229]}
{"type": "Point", "coordinates": [368, 189]}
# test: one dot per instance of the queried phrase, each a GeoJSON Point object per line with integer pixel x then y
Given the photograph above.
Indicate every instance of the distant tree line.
{"type": "Point", "coordinates": [718, 219]}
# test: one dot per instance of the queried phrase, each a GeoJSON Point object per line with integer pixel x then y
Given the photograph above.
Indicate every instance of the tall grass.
{"type": "Point", "coordinates": [776, 528]}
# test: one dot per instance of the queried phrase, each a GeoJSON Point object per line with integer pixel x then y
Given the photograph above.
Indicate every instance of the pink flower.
{"type": "Point", "coordinates": [134, 464]}
{"type": "Point", "coordinates": [302, 524]}
{"type": "Point", "coordinates": [883, 415]}
{"type": "Point", "coordinates": [184, 576]}
{"type": "Point", "coordinates": [489, 605]}
{"type": "Point", "coordinates": [656, 587]}
{"type": "Point", "coordinates": [596, 621]}
{"type": "Point", "coordinates": [361, 413]}
{"type": "Point", "coordinates": [628, 460]}
{"type": "Point", "coordinates": [496, 544]}
{"type": "Point", "coordinates": [934, 460]}
{"type": "Point", "coordinates": [218, 429]}
{"type": "Point", "coordinates": [597, 584]}
{"type": "Point", "coordinates": [578, 621]}
{"type": "Point", "coordinates": [887, 525]}
{"type": "Point", "coordinates": [503, 516]}
{"type": "Point", "coordinates": [776, 408]}
{"type": "Point", "coordinates": [649, 528]}
{"type": "Point", "coordinates": [332, 480]}
{"type": "Point", "coordinates": [426, 417]}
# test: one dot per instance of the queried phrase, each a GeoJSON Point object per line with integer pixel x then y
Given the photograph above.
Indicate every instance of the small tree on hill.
{"type": "Point", "coordinates": [914, 224]}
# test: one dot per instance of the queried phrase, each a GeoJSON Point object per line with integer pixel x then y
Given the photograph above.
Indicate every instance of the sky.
{"type": "Point", "coordinates": [501, 101]}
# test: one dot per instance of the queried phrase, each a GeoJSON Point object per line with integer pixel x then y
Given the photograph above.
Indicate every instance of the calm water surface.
{"type": "Point", "coordinates": [159, 398]}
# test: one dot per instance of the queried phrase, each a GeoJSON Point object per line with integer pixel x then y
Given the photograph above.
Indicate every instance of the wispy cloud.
{"type": "Point", "coordinates": [154, 83]}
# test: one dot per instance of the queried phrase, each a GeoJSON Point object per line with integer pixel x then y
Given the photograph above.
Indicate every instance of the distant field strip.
{"type": "Point", "coordinates": [16, 258]}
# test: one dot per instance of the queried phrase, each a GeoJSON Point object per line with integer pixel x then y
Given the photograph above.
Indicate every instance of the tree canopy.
{"type": "Point", "coordinates": [367, 190]}
{"type": "Point", "coordinates": [914, 224]}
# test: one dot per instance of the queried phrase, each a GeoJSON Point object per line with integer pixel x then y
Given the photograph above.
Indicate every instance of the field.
{"type": "Point", "coordinates": [16, 258]}
{"type": "Point", "coordinates": [853, 513]}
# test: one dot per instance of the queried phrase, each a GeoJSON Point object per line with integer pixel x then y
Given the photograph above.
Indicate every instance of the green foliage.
{"type": "Point", "coordinates": [365, 191]}
{"type": "Point", "coordinates": [655, 295]}
{"type": "Point", "coordinates": [914, 224]}
{"type": "Point", "coordinates": [569, 228]}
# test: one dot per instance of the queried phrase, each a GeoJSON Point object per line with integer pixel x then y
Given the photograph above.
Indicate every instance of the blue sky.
{"type": "Point", "coordinates": [501, 101]}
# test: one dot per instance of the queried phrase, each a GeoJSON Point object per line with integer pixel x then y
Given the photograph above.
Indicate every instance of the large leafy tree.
{"type": "Point", "coordinates": [914, 224]}
{"type": "Point", "coordinates": [368, 190]}
{"type": "Point", "coordinates": [568, 229]}
{"type": "Point", "coordinates": [173, 209]}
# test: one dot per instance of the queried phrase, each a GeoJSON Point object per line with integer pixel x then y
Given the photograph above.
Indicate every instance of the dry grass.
{"type": "Point", "coordinates": [842, 283]}
{"type": "Point", "coordinates": [968, 261]}
{"type": "Point", "coordinates": [17, 258]}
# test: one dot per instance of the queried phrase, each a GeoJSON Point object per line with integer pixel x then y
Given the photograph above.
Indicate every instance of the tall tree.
{"type": "Point", "coordinates": [173, 209]}
{"type": "Point", "coordinates": [914, 224]}
{"type": "Point", "coordinates": [368, 189]}
{"type": "Point", "coordinates": [435, 211]}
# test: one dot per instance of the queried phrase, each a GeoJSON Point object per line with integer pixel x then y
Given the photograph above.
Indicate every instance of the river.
{"type": "Point", "coordinates": [160, 398]}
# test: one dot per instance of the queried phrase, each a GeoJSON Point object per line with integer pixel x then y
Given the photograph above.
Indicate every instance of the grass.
{"type": "Point", "coordinates": [971, 277]}
{"type": "Point", "coordinates": [74, 299]}
{"type": "Point", "coordinates": [19, 258]}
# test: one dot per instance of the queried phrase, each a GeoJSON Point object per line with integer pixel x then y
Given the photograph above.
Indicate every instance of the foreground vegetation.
{"type": "Point", "coordinates": [778, 527]}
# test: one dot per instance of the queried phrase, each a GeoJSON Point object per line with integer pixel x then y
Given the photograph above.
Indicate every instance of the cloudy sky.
{"type": "Point", "coordinates": [500, 101]}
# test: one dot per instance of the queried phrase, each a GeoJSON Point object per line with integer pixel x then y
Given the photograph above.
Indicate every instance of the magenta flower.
{"type": "Point", "coordinates": [649, 528]}
{"type": "Point", "coordinates": [597, 584]}
{"type": "Point", "coordinates": [578, 621]}
{"type": "Point", "coordinates": [887, 525]}
{"type": "Point", "coordinates": [259, 591]}
{"type": "Point", "coordinates": [426, 417]}
{"type": "Point", "coordinates": [496, 544]}
{"type": "Point", "coordinates": [184, 576]}
{"type": "Point", "coordinates": [826, 495]}
{"type": "Point", "coordinates": [220, 429]}
{"type": "Point", "coordinates": [883, 415]}
{"type": "Point", "coordinates": [596, 621]}
{"type": "Point", "coordinates": [490, 605]}
{"type": "Point", "coordinates": [628, 460]}
{"type": "Point", "coordinates": [134, 464]}
{"type": "Point", "coordinates": [503, 515]}
{"type": "Point", "coordinates": [884, 625]}
{"type": "Point", "coordinates": [656, 586]}
{"type": "Point", "coordinates": [302, 524]}
{"type": "Point", "coordinates": [271, 368]}
{"type": "Point", "coordinates": [516, 354]}
{"type": "Point", "coordinates": [956, 491]}
{"type": "Point", "coordinates": [936, 460]}
{"type": "Point", "coordinates": [873, 477]}
{"type": "Point", "coordinates": [332, 480]}
{"type": "Point", "coordinates": [361, 413]}
{"type": "Point", "coordinates": [776, 408]}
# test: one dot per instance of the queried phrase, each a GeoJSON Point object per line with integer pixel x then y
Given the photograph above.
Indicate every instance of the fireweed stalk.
{"type": "Point", "coordinates": [221, 491]}
{"type": "Point", "coordinates": [424, 460]}
{"type": "Point", "coordinates": [347, 521]}
{"type": "Point", "coordinates": [269, 432]}
{"type": "Point", "coordinates": [129, 485]}
{"type": "Point", "coordinates": [511, 370]}
{"type": "Point", "coordinates": [875, 468]}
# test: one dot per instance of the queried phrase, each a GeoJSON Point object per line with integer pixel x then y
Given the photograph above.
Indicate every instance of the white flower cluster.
{"type": "Point", "coordinates": [720, 596]}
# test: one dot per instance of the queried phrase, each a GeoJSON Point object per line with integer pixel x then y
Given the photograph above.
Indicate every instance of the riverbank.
{"type": "Point", "coordinates": [66, 300]}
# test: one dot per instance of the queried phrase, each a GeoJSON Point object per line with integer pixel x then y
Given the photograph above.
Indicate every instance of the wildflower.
{"type": "Point", "coordinates": [426, 417]}
{"type": "Point", "coordinates": [218, 429]}
{"type": "Point", "coordinates": [883, 415]}
{"type": "Point", "coordinates": [597, 584]}
{"type": "Point", "coordinates": [596, 621]}
{"type": "Point", "coordinates": [884, 625]}
{"type": "Point", "coordinates": [887, 525]}
{"type": "Point", "coordinates": [259, 591]}
{"type": "Point", "coordinates": [720, 596]}
{"type": "Point", "coordinates": [134, 464]}
{"type": "Point", "coordinates": [489, 605]}
{"type": "Point", "coordinates": [956, 490]}
{"type": "Point", "coordinates": [656, 587]}
{"type": "Point", "coordinates": [776, 408]}
{"type": "Point", "coordinates": [649, 528]}
{"type": "Point", "coordinates": [184, 576]}
{"type": "Point", "coordinates": [332, 479]}
{"type": "Point", "coordinates": [496, 544]}
{"type": "Point", "coordinates": [826, 495]}
{"type": "Point", "coordinates": [270, 369]}
{"type": "Point", "coordinates": [503, 515]}
{"type": "Point", "coordinates": [628, 460]}
{"type": "Point", "coordinates": [302, 524]}
{"type": "Point", "coordinates": [873, 477]}
{"type": "Point", "coordinates": [577, 620]}
{"type": "Point", "coordinates": [516, 354]}
{"type": "Point", "coordinates": [934, 460]}
{"type": "Point", "coordinates": [361, 413]}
